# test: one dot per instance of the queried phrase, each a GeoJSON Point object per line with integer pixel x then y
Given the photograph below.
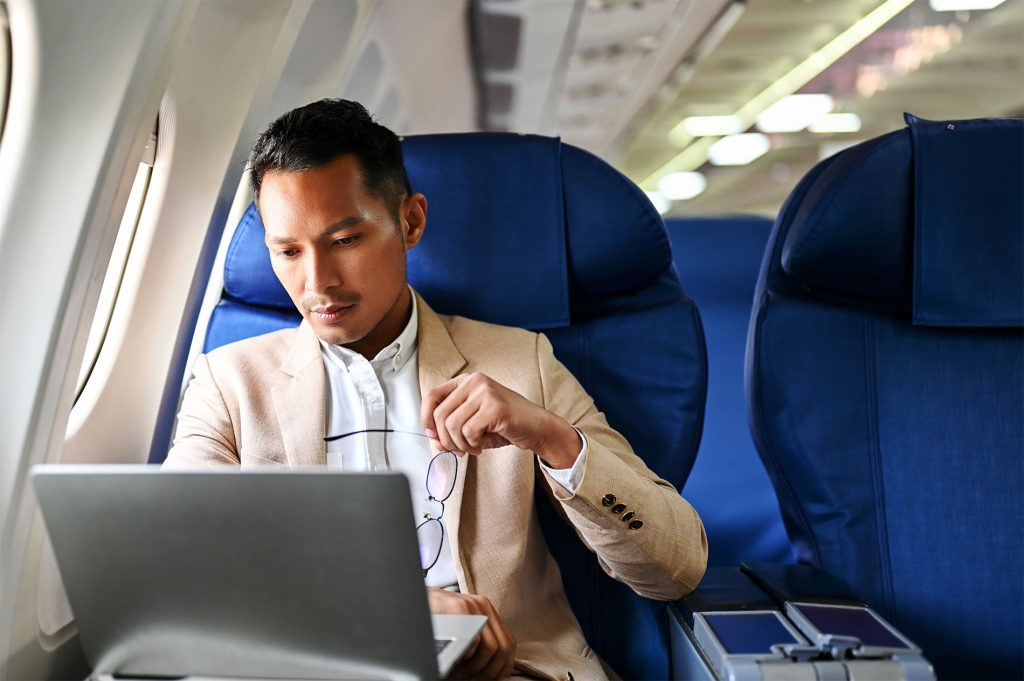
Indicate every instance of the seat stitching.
{"type": "Point", "coordinates": [877, 478]}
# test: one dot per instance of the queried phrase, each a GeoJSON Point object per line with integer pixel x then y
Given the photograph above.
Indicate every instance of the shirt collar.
{"type": "Point", "coordinates": [397, 352]}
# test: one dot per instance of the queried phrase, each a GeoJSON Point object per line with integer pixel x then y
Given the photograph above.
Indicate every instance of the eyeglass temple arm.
{"type": "Point", "coordinates": [333, 438]}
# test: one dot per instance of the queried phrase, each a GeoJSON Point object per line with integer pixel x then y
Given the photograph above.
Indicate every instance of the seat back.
{"type": "Point", "coordinates": [885, 379]}
{"type": "Point", "coordinates": [526, 231]}
{"type": "Point", "coordinates": [718, 258]}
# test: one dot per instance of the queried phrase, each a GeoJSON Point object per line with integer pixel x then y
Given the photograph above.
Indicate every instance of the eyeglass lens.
{"type": "Point", "coordinates": [441, 476]}
{"type": "Point", "coordinates": [440, 484]}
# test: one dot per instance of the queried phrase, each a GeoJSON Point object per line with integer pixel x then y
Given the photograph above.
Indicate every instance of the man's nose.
{"type": "Point", "coordinates": [321, 273]}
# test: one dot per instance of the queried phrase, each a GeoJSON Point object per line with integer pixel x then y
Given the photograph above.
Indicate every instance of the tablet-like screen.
{"type": "Point", "coordinates": [855, 622]}
{"type": "Point", "coordinates": [749, 633]}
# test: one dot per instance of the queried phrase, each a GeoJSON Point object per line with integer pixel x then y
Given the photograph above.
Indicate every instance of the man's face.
{"type": "Point", "coordinates": [339, 253]}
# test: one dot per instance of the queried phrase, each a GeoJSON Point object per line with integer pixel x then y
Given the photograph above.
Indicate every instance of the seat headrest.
{"type": "Point", "coordinates": [561, 229]}
{"type": "Point", "coordinates": [248, 275]}
{"type": "Point", "coordinates": [927, 219]}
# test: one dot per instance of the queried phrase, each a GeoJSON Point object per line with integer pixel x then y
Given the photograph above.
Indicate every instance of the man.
{"type": "Point", "coordinates": [370, 354]}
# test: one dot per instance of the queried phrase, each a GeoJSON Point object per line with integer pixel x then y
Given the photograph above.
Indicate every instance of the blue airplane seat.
{"type": "Point", "coordinates": [526, 231]}
{"type": "Point", "coordinates": [719, 258]}
{"type": "Point", "coordinates": [885, 382]}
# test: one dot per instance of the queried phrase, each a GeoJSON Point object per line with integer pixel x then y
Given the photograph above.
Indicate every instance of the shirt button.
{"type": "Point", "coordinates": [608, 499]}
{"type": "Point", "coordinates": [398, 358]}
{"type": "Point", "coordinates": [628, 516]}
{"type": "Point", "coordinates": [618, 508]}
{"type": "Point", "coordinates": [636, 524]}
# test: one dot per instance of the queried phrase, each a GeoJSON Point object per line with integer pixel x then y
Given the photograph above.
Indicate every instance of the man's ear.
{"type": "Point", "coordinates": [413, 219]}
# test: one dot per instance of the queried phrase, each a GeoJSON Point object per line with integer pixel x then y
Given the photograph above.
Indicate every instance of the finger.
{"type": "Point", "coordinates": [441, 413]}
{"type": "Point", "coordinates": [504, 655]}
{"type": "Point", "coordinates": [479, 430]}
{"type": "Point", "coordinates": [486, 650]}
{"type": "Point", "coordinates": [455, 424]}
{"type": "Point", "coordinates": [434, 398]}
{"type": "Point", "coordinates": [504, 661]}
{"type": "Point", "coordinates": [509, 652]}
{"type": "Point", "coordinates": [495, 665]}
{"type": "Point", "coordinates": [510, 666]}
{"type": "Point", "coordinates": [471, 650]}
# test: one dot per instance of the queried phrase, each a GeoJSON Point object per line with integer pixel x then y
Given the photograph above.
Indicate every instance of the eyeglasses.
{"type": "Point", "coordinates": [440, 484]}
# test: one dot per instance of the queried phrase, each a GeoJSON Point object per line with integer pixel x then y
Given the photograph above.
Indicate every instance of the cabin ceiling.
{"type": "Point", "coordinates": [616, 76]}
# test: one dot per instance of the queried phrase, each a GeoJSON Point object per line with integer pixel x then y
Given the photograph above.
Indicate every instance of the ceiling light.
{"type": "Point", "coordinates": [661, 204]}
{"type": "Point", "coordinates": [739, 150]}
{"type": "Point", "coordinates": [712, 126]}
{"type": "Point", "coordinates": [682, 186]}
{"type": "Point", "coordinates": [836, 122]}
{"type": "Point", "coordinates": [793, 113]}
{"type": "Point", "coordinates": [958, 5]}
{"type": "Point", "coordinates": [694, 155]}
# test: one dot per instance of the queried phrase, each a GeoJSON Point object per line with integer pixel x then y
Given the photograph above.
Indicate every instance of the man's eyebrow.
{"type": "Point", "coordinates": [345, 223]}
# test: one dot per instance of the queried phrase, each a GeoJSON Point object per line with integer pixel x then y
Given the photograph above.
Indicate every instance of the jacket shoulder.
{"type": "Point", "coordinates": [462, 327]}
{"type": "Point", "coordinates": [485, 343]}
{"type": "Point", "coordinates": [268, 347]}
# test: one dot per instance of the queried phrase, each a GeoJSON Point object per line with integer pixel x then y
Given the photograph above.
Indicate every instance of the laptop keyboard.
{"type": "Point", "coordinates": [441, 643]}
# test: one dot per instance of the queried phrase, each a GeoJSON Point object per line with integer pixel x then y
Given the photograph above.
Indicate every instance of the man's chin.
{"type": "Point", "coordinates": [333, 333]}
{"type": "Point", "coordinates": [334, 336]}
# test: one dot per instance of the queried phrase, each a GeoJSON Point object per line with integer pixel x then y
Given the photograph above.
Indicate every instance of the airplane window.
{"type": "Point", "coordinates": [5, 64]}
{"type": "Point", "coordinates": [116, 266]}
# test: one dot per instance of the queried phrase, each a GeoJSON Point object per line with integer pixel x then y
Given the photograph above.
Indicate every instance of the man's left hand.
{"type": "Point", "coordinates": [473, 412]}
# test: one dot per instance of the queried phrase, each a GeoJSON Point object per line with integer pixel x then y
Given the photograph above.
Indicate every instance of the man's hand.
{"type": "Point", "coordinates": [493, 653]}
{"type": "Point", "coordinates": [472, 412]}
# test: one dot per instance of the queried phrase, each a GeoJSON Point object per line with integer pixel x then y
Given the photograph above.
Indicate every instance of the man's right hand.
{"type": "Point", "coordinates": [493, 653]}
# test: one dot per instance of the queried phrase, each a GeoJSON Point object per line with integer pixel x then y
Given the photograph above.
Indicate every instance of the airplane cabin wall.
{"type": "Point", "coordinates": [86, 89]}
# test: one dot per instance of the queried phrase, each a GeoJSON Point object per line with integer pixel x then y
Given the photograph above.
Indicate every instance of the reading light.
{"type": "Point", "coordinates": [682, 186]}
{"type": "Point", "coordinates": [836, 122]}
{"type": "Point", "coordinates": [793, 113]}
{"type": "Point", "coordinates": [738, 150]}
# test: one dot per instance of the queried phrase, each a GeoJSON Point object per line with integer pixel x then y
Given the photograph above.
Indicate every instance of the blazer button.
{"type": "Point", "coordinates": [608, 499]}
{"type": "Point", "coordinates": [628, 516]}
{"type": "Point", "coordinates": [636, 524]}
{"type": "Point", "coordinates": [618, 508]}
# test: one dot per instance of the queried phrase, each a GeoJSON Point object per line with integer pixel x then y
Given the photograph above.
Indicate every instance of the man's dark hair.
{"type": "Point", "coordinates": [315, 134]}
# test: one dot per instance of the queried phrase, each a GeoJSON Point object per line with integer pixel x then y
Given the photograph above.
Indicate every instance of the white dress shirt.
{"type": "Point", "coordinates": [384, 393]}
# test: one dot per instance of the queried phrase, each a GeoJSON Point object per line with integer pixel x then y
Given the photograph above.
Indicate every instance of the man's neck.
{"type": "Point", "coordinates": [388, 330]}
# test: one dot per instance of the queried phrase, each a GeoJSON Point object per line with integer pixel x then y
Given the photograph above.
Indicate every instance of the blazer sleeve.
{"type": "Point", "coordinates": [664, 555]}
{"type": "Point", "coordinates": [205, 435]}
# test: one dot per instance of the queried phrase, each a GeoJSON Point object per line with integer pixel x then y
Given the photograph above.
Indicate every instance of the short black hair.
{"type": "Point", "coordinates": [315, 134]}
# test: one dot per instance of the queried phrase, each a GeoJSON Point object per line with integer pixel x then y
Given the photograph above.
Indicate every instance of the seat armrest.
{"type": "Point", "coordinates": [784, 583]}
{"type": "Point", "coordinates": [768, 621]}
{"type": "Point", "coordinates": [723, 589]}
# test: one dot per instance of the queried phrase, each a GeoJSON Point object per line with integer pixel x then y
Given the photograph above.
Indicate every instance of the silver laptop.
{"type": "Point", "coordinates": [288, 575]}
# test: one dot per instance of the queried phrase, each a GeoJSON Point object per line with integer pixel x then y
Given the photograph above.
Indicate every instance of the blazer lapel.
{"type": "Point", "coordinates": [300, 402]}
{"type": "Point", "coordinates": [440, 360]}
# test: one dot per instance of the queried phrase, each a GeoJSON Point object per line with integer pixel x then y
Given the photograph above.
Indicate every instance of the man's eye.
{"type": "Point", "coordinates": [288, 253]}
{"type": "Point", "coordinates": [346, 241]}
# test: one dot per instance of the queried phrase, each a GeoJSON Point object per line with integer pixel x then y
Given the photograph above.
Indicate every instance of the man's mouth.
{"type": "Point", "coordinates": [331, 313]}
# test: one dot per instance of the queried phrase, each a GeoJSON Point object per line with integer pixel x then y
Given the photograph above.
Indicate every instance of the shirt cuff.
{"type": "Point", "coordinates": [569, 478]}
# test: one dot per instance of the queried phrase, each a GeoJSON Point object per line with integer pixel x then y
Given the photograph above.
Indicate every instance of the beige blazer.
{"type": "Point", "coordinates": [261, 402]}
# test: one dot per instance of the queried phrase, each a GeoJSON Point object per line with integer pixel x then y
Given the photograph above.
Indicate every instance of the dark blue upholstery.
{"type": "Point", "coordinates": [526, 231]}
{"type": "Point", "coordinates": [719, 259]}
{"type": "Point", "coordinates": [889, 415]}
